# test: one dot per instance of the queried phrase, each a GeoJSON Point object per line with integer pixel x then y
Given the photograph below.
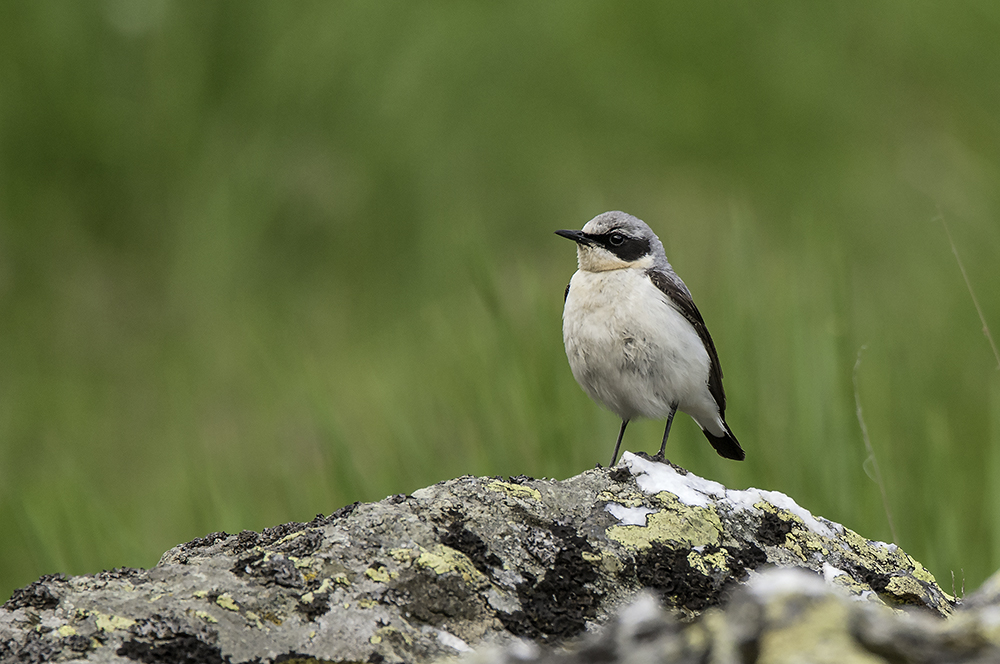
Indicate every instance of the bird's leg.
{"type": "Point", "coordinates": [666, 432]}
{"type": "Point", "coordinates": [621, 433]}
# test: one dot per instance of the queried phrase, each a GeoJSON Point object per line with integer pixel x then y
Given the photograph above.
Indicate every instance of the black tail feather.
{"type": "Point", "coordinates": [727, 446]}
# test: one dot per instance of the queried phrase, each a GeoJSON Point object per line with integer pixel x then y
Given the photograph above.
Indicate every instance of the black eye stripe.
{"type": "Point", "coordinates": [630, 249]}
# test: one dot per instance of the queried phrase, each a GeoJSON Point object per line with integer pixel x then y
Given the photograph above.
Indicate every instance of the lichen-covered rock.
{"type": "Point", "coordinates": [461, 564]}
{"type": "Point", "coordinates": [779, 616]}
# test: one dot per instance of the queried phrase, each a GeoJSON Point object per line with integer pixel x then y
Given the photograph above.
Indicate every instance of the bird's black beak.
{"type": "Point", "coordinates": [577, 236]}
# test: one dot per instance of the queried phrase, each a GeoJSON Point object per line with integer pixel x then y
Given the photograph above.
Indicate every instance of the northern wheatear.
{"type": "Point", "coordinates": [635, 340]}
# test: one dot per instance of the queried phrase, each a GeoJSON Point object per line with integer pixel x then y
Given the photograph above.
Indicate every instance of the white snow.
{"type": "Point", "coordinates": [629, 516]}
{"type": "Point", "coordinates": [891, 548]}
{"type": "Point", "coordinates": [653, 477]}
{"type": "Point", "coordinates": [643, 609]}
{"type": "Point", "coordinates": [449, 640]}
{"type": "Point", "coordinates": [787, 581]}
{"type": "Point", "coordinates": [830, 572]}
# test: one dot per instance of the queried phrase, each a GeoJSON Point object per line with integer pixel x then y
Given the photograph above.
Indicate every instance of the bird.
{"type": "Point", "coordinates": [635, 341]}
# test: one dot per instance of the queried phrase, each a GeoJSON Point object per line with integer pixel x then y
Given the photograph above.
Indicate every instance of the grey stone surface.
{"type": "Point", "coordinates": [779, 616]}
{"type": "Point", "coordinates": [468, 563]}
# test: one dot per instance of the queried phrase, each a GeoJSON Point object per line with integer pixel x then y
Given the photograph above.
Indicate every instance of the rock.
{"type": "Point", "coordinates": [478, 562]}
{"type": "Point", "coordinates": [781, 615]}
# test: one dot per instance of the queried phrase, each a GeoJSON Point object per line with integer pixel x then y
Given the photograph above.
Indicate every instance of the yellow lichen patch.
{"type": "Point", "coordinates": [795, 548]}
{"type": "Point", "coordinates": [226, 601]}
{"type": "Point", "coordinates": [443, 559]}
{"type": "Point", "coordinates": [341, 578]}
{"type": "Point", "coordinates": [900, 586]}
{"type": "Point", "coordinates": [708, 563]}
{"type": "Point", "coordinates": [920, 572]}
{"type": "Point", "coordinates": [109, 623]}
{"type": "Point", "coordinates": [862, 546]}
{"type": "Point", "coordinates": [847, 582]}
{"type": "Point", "coordinates": [206, 616]}
{"type": "Point", "coordinates": [367, 603]}
{"type": "Point", "coordinates": [514, 490]}
{"type": "Point", "coordinates": [379, 574]}
{"type": "Point", "coordinates": [815, 544]}
{"type": "Point", "coordinates": [694, 526]}
{"type": "Point", "coordinates": [402, 555]}
{"type": "Point", "coordinates": [200, 594]}
{"type": "Point", "coordinates": [301, 562]}
{"type": "Point", "coordinates": [272, 618]}
{"type": "Point", "coordinates": [311, 595]}
{"type": "Point", "coordinates": [389, 631]}
{"type": "Point", "coordinates": [632, 500]}
{"type": "Point", "coordinates": [66, 630]}
{"type": "Point", "coordinates": [289, 538]}
{"type": "Point", "coordinates": [253, 617]}
{"type": "Point", "coordinates": [603, 559]}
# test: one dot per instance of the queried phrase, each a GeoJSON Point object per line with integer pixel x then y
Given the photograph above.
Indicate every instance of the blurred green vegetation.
{"type": "Point", "coordinates": [260, 260]}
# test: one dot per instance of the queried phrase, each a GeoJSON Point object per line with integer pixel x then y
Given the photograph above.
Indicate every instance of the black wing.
{"type": "Point", "coordinates": [680, 298]}
{"type": "Point", "coordinates": [566, 294]}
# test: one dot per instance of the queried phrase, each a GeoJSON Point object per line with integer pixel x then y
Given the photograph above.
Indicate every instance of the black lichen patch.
{"type": "Point", "coordinates": [118, 573]}
{"type": "Point", "coordinates": [773, 529]}
{"type": "Point", "coordinates": [875, 580]}
{"type": "Point", "coordinates": [37, 594]}
{"type": "Point", "coordinates": [620, 475]}
{"type": "Point", "coordinates": [77, 643]}
{"type": "Point", "coordinates": [247, 564]}
{"type": "Point", "coordinates": [436, 599]}
{"type": "Point", "coordinates": [246, 540]}
{"type": "Point", "coordinates": [298, 658]}
{"type": "Point", "coordinates": [306, 544]}
{"type": "Point", "coordinates": [206, 541]}
{"type": "Point", "coordinates": [744, 558]}
{"type": "Point", "coordinates": [343, 512]}
{"type": "Point", "coordinates": [558, 605]}
{"type": "Point", "coordinates": [880, 584]}
{"type": "Point", "coordinates": [181, 648]}
{"type": "Point", "coordinates": [249, 539]}
{"type": "Point", "coordinates": [460, 538]}
{"type": "Point", "coordinates": [161, 639]}
{"type": "Point", "coordinates": [520, 479]}
{"type": "Point", "coordinates": [35, 648]}
{"type": "Point", "coordinates": [277, 569]}
{"type": "Point", "coordinates": [669, 572]}
{"type": "Point", "coordinates": [271, 535]}
{"type": "Point", "coordinates": [319, 606]}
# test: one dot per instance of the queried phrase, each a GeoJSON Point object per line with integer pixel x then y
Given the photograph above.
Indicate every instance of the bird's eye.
{"type": "Point", "coordinates": [616, 239]}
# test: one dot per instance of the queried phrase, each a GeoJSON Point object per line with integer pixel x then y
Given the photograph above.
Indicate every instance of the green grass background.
{"type": "Point", "coordinates": [260, 260]}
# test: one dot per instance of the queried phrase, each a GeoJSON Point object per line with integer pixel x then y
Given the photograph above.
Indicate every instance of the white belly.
{"type": "Point", "coordinates": [633, 352]}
